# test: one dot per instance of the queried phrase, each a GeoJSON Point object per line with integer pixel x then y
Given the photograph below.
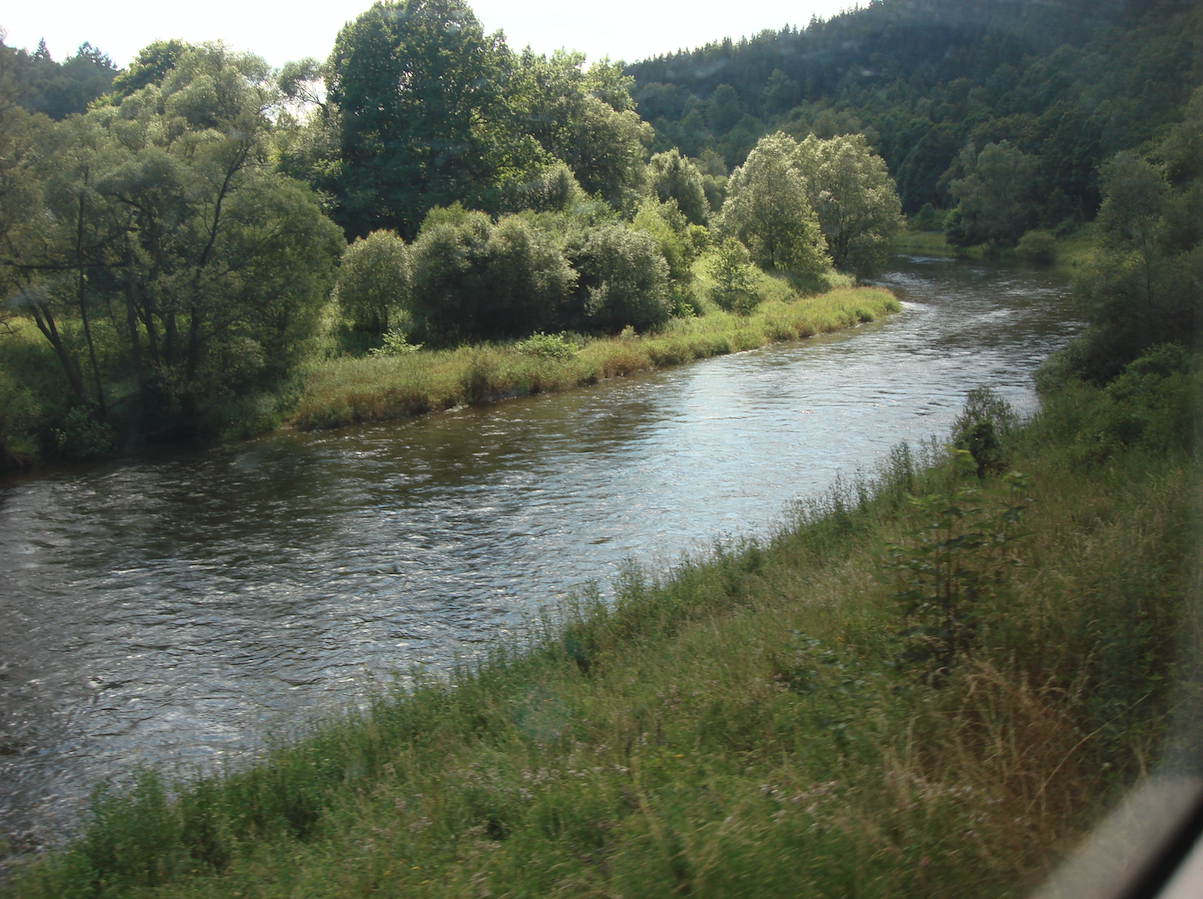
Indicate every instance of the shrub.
{"type": "Point", "coordinates": [1038, 246]}
{"type": "Point", "coordinates": [734, 278]}
{"type": "Point", "coordinates": [373, 281]}
{"type": "Point", "coordinates": [548, 346]}
{"type": "Point", "coordinates": [982, 429]}
{"type": "Point", "coordinates": [623, 279]}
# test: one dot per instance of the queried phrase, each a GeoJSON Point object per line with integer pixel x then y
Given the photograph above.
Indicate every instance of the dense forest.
{"type": "Point", "coordinates": [179, 239]}
{"type": "Point", "coordinates": [933, 83]}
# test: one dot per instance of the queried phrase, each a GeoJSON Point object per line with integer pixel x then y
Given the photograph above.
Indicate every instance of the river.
{"type": "Point", "coordinates": [177, 610]}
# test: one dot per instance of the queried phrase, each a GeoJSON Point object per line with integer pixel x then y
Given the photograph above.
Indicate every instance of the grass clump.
{"type": "Point", "coordinates": [756, 722]}
{"type": "Point", "coordinates": [346, 391]}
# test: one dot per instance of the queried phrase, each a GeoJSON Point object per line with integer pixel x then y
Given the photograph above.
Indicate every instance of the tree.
{"type": "Point", "coordinates": [373, 282]}
{"type": "Point", "coordinates": [768, 210]}
{"type": "Point", "coordinates": [163, 217]}
{"type": "Point", "coordinates": [855, 199]}
{"type": "Point", "coordinates": [995, 197]}
{"type": "Point", "coordinates": [476, 280]}
{"type": "Point", "coordinates": [622, 278]}
{"type": "Point", "coordinates": [421, 114]}
{"type": "Point", "coordinates": [673, 177]}
{"type": "Point", "coordinates": [150, 66]}
{"type": "Point", "coordinates": [586, 118]}
{"type": "Point", "coordinates": [1143, 287]}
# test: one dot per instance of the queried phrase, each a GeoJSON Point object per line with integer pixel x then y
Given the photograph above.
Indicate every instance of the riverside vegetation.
{"type": "Point", "coordinates": [405, 380]}
{"type": "Point", "coordinates": [173, 236]}
{"type": "Point", "coordinates": [930, 682]}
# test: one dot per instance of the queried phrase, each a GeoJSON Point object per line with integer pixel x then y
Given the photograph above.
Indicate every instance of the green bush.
{"type": "Point", "coordinates": [623, 279]}
{"type": "Point", "coordinates": [1039, 247]}
{"type": "Point", "coordinates": [548, 346]}
{"type": "Point", "coordinates": [982, 429]}
{"type": "Point", "coordinates": [19, 414]}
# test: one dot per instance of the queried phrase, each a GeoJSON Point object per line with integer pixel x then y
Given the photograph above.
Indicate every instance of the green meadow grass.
{"type": "Point", "coordinates": [347, 390]}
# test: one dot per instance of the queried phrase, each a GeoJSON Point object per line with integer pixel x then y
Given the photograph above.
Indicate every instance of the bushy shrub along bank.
{"type": "Point", "coordinates": [390, 386]}
{"type": "Point", "coordinates": [930, 683]}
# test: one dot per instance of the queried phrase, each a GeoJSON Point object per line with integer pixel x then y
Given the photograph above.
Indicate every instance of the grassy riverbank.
{"type": "Point", "coordinates": [766, 721]}
{"type": "Point", "coordinates": [348, 390]}
{"type": "Point", "coordinates": [1069, 252]}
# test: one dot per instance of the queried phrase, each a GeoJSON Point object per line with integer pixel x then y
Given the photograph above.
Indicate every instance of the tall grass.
{"type": "Point", "coordinates": [745, 724]}
{"type": "Point", "coordinates": [346, 391]}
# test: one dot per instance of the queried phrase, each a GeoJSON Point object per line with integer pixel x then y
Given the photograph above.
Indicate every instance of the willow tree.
{"type": "Point", "coordinates": [163, 221]}
{"type": "Point", "coordinates": [767, 208]}
{"type": "Point", "coordinates": [851, 191]}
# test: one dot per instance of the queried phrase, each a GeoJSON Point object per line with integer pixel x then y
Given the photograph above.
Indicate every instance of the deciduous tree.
{"type": "Point", "coordinates": [855, 198]}
{"type": "Point", "coordinates": [768, 210]}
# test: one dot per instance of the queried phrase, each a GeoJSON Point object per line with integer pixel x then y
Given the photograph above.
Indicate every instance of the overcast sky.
{"type": "Point", "coordinates": [621, 29]}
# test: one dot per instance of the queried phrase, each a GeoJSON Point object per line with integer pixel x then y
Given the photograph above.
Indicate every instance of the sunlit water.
{"type": "Point", "coordinates": [173, 611]}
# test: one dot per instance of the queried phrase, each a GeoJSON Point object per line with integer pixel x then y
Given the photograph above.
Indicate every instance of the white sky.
{"type": "Point", "coordinates": [621, 29]}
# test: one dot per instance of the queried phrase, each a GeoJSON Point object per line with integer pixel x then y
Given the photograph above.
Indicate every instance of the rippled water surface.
{"type": "Point", "coordinates": [171, 611]}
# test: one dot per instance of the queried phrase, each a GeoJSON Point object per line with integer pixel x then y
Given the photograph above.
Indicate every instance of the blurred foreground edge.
{"type": "Point", "coordinates": [1149, 847]}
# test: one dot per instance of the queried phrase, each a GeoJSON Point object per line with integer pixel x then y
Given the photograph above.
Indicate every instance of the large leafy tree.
{"type": "Point", "coordinates": [996, 197]}
{"type": "Point", "coordinates": [855, 198]}
{"type": "Point", "coordinates": [767, 208]}
{"type": "Point", "coordinates": [422, 115]}
{"type": "Point", "coordinates": [586, 118]}
{"type": "Point", "coordinates": [161, 246]}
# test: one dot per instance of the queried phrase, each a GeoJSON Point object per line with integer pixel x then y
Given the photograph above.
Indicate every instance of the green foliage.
{"type": "Point", "coordinates": [767, 208]}
{"type": "Point", "coordinates": [953, 564]}
{"type": "Point", "coordinates": [623, 279]}
{"type": "Point", "coordinates": [925, 218]}
{"type": "Point", "coordinates": [80, 437]}
{"type": "Point", "coordinates": [345, 390]}
{"type": "Point", "coordinates": [674, 177]}
{"type": "Point", "coordinates": [548, 346]}
{"type": "Point", "coordinates": [474, 279]}
{"type": "Point", "coordinates": [983, 429]}
{"type": "Point", "coordinates": [159, 253]}
{"type": "Point", "coordinates": [422, 120]}
{"type": "Point", "coordinates": [19, 417]}
{"type": "Point", "coordinates": [734, 277]}
{"type": "Point", "coordinates": [1037, 246]}
{"type": "Point", "coordinates": [396, 343]}
{"type": "Point", "coordinates": [995, 196]}
{"type": "Point", "coordinates": [373, 282]}
{"type": "Point", "coordinates": [1141, 291]}
{"type": "Point", "coordinates": [150, 66]}
{"type": "Point", "coordinates": [1069, 84]}
{"type": "Point", "coordinates": [552, 189]}
{"type": "Point", "coordinates": [586, 118]}
{"type": "Point", "coordinates": [855, 199]}
{"type": "Point", "coordinates": [41, 85]}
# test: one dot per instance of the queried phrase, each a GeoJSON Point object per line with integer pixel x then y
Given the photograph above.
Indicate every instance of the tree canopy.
{"type": "Point", "coordinates": [768, 209]}
{"type": "Point", "coordinates": [155, 240]}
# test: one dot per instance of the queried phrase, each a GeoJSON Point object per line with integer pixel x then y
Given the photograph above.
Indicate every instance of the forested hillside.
{"type": "Point", "coordinates": [932, 82]}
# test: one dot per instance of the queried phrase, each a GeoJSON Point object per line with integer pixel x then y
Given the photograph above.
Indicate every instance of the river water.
{"type": "Point", "coordinates": [174, 611]}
